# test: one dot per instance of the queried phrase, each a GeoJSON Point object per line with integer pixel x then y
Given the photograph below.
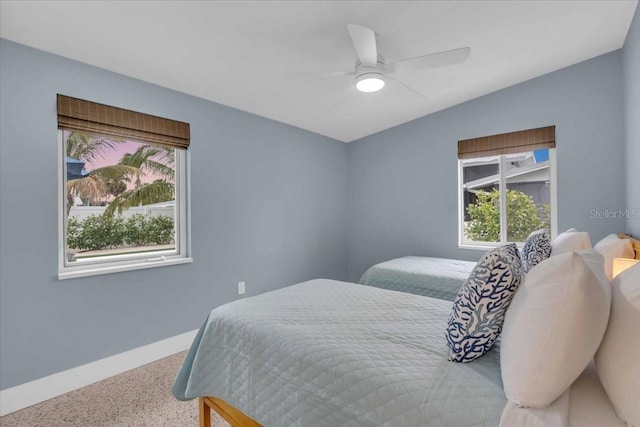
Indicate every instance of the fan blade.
{"type": "Point", "coordinates": [440, 59]}
{"type": "Point", "coordinates": [364, 41]}
{"type": "Point", "coordinates": [406, 86]}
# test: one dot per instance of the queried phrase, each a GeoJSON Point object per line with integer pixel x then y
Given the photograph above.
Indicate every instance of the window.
{"type": "Point", "coordinates": [518, 167]}
{"type": "Point", "coordinates": [123, 193]}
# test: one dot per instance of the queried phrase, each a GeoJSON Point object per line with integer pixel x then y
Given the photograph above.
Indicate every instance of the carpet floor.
{"type": "Point", "coordinates": [140, 397]}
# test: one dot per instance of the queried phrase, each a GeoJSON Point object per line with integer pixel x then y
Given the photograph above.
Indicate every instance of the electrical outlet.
{"type": "Point", "coordinates": [241, 288]}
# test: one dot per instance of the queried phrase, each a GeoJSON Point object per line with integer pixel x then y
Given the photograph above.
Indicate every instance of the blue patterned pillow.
{"type": "Point", "coordinates": [478, 311]}
{"type": "Point", "coordinates": [536, 249]}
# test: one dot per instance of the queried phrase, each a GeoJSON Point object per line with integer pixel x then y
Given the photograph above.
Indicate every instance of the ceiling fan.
{"type": "Point", "coordinates": [371, 71]}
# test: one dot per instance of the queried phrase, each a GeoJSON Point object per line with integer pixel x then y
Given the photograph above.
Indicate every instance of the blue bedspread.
{"type": "Point", "coordinates": [327, 353]}
{"type": "Point", "coordinates": [433, 277]}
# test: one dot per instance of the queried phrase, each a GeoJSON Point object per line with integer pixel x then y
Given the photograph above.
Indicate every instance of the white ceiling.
{"type": "Point", "coordinates": [262, 56]}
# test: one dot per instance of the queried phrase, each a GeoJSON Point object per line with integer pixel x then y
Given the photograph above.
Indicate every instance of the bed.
{"type": "Point", "coordinates": [433, 277]}
{"type": "Point", "coordinates": [329, 353]}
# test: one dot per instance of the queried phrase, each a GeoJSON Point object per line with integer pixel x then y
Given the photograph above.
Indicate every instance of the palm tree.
{"type": "Point", "coordinates": [154, 159]}
{"type": "Point", "coordinates": [96, 185]}
{"type": "Point", "coordinates": [89, 148]}
{"type": "Point", "coordinates": [115, 187]}
{"type": "Point", "coordinates": [153, 192]}
{"type": "Point", "coordinates": [147, 158]}
{"type": "Point", "coordinates": [101, 182]}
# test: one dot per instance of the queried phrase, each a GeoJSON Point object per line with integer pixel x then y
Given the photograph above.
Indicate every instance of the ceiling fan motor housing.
{"type": "Point", "coordinates": [363, 70]}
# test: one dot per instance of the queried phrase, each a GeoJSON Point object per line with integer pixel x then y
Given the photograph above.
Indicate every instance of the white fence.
{"type": "Point", "coordinates": [82, 212]}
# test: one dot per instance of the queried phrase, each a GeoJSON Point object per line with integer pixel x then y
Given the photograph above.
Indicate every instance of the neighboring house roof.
{"type": "Point", "coordinates": [75, 169]}
{"type": "Point", "coordinates": [537, 172]}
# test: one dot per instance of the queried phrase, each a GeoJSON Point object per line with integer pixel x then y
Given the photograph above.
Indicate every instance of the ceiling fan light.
{"type": "Point", "coordinates": [370, 83]}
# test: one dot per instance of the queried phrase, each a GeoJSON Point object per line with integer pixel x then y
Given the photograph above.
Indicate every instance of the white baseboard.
{"type": "Point", "coordinates": [27, 394]}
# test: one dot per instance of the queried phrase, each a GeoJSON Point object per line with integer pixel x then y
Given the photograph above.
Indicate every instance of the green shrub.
{"type": "Point", "coordinates": [523, 216]}
{"type": "Point", "coordinates": [74, 229]}
{"type": "Point", "coordinates": [95, 232]}
{"type": "Point", "coordinates": [143, 230]}
{"type": "Point", "coordinates": [137, 230]}
{"type": "Point", "coordinates": [111, 231]}
{"type": "Point", "coordinates": [161, 230]}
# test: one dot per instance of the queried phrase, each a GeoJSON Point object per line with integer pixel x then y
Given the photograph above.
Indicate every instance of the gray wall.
{"type": "Point", "coordinates": [631, 71]}
{"type": "Point", "coordinates": [271, 204]}
{"type": "Point", "coordinates": [403, 196]}
{"type": "Point", "coordinates": [268, 207]}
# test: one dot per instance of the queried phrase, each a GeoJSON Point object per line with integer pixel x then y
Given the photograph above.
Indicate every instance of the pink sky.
{"type": "Point", "coordinates": [112, 157]}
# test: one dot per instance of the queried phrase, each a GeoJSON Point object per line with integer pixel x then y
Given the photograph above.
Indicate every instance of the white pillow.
{"type": "Point", "coordinates": [553, 327]}
{"type": "Point", "coordinates": [569, 241]}
{"type": "Point", "coordinates": [555, 415]}
{"type": "Point", "coordinates": [589, 404]}
{"type": "Point", "coordinates": [613, 247]}
{"type": "Point", "coordinates": [618, 358]}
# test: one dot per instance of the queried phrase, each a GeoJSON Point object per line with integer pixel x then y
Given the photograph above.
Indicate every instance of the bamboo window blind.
{"type": "Point", "coordinates": [507, 143]}
{"type": "Point", "coordinates": [85, 116]}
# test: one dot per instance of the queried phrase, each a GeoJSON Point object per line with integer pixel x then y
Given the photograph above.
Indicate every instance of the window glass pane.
{"type": "Point", "coordinates": [528, 193]}
{"type": "Point", "coordinates": [481, 200]}
{"type": "Point", "coordinates": [120, 199]}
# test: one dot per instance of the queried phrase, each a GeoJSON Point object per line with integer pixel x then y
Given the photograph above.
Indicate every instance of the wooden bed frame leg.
{"type": "Point", "coordinates": [230, 414]}
{"type": "Point", "coordinates": [205, 413]}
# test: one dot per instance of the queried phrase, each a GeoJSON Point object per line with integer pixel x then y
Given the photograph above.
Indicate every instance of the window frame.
{"type": "Point", "coordinates": [182, 253]}
{"type": "Point", "coordinates": [553, 198]}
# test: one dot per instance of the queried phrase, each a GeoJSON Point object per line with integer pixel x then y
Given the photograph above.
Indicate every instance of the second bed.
{"type": "Point", "coordinates": [432, 277]}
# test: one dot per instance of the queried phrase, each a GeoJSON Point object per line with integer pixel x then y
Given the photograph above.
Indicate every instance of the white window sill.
{"type": "Point", "coordinates": [93, 270]}
{"type": "Point", "coordinates": [519, 245]}
{"type": "Point", "coordinates": [479, 247]}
